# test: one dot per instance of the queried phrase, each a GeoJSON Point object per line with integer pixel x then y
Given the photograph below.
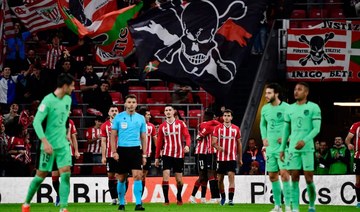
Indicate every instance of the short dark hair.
{"type": "Point", "coordinates": [168, 105]}
{"type": "Point", "coordinates": [208, 115]}
{"type": "Point", "coordinates": [64, 79]}
{"type": "Point", "coordinates": [306, 85]}
{"type": "Point", "coordinates": [228, 111]}
{"type": "Point", "coordinates": [130, 96]}
{"type": "Point", "coordinates": [275, 86]}
{"type": "Point", "coordinates": [143, 110]}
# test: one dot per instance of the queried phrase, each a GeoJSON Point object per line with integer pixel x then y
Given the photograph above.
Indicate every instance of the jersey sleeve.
{"type": "Point", "coordinates": [354, 127]}
{"type": "Point", "coordinates": [40, 115]}
{"type": "Point", "coordinates": [88, 135]}
{"type": "Point", "coordinates": [316, 122]}
{"type": "Point", "coordinates": [103, 130]}
{"type": "Point", "coordinates": [153, 131]}
{"type": "Point", "coordinates": [159, 142]}
{"type": "Point", "coordinates": [186, 134]}
{"type": "Point", "coordinates": [286, 131]}
{"type": "Point", "coordinates": [115, 123]}
{"type": "Point", "coordinates": [143, 125]}
{"type": "Point", "coordinates": [263, 129]}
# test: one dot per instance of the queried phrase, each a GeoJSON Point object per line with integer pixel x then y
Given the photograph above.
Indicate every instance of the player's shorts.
{"type": "Point", "coordinates": [301, 161]}
{"type": "Point", "coordinates": [111, 165]}
{"type": "Point", "coordinates": [147, 166]}
{"type": "Point", "coordinates": [206, 162]}
{"type": "Point", "coordinates": [130, 158]}
{"type": "Point", "coordinates": [274, 164]}
{"type": "Point", "coordinates": [61, 156]}
{"type": "Point", "coordinates": [357, 166]}
{"type": "Point", "coordinates": [223, 167]}
{"type": "Point", "coordinates": [176, 164]}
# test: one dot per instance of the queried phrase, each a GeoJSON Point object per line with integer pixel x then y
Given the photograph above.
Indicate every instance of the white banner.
{"type": "Point", "coordinates": [331, 190]}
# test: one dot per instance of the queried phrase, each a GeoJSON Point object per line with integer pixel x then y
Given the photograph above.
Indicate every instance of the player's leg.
{"type": "Point", "coordinates": [55, 179]}
{"type": "Point", "coordinates": [231, 169]}
{"type": "Point", "coordinates": [220, 175]}
{"type": "Point", "coordinates": [178, 169]}
{"type": "Point", "coordinates": [214, 187]}
{"type": "Point", "coordinates": [295, 165]}
{"type": "Point", "coordinates": [63, 160]}
{"type": "Point", "coordinates": [273, 169]}
{"type": "Point", "coordinates": [308, 166]}
{"type": "Point", "coordinates": [285, 178]}
{"type": "Point", "coordinates": [146, 169]}
{"type": "Point", "coordinates": [204, 180]}
{"type": "Point", "coordinates": [112, 182]}
{"type": "Point", "coordinates": [136, 161]}
{"type": "Point", "coordinates": [167, 164]}
{"type": "Point", "coordinates": [357, 189]}
{"type": "Point", "coordinates": [121, 174]}
{"type": "Point", "coordinates": [197, 184]}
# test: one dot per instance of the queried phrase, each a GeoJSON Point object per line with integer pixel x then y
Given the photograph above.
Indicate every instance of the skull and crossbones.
{"type": "Point", "coordinates": [317, 52]}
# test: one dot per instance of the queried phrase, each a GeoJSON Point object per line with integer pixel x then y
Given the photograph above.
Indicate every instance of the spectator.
{"type": "Point", "coordinates": [102, 98]}
{"type": "Point", "coordinates": [322, 159]}
{"type": "Point", "coordinates": [181, 94]}
{"type": "Point", "coordinates": [254, 168]}
{"type": "Point", "coordinates": [253, 153]}
{"type": "Point", "coordinates": [118, 77]}
{"type": "Point", "coordinates": [339, 157]}
{"type": "Point", "coordinates": [89, 82]}
{"type": "Point", "coordinates": [356, 5]}
{"type": "Point", "coordinates": [4, 153]}
{"type": "Point", "coordinates": [32, 59]}
{"type": "Point", "coordinates": [261, 37]}
{"type": "Point", "coordinates": [36, 84]}
{"type": "Point", "coordinates": [14, 109]}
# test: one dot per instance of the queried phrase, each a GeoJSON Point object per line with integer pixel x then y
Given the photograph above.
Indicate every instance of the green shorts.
{"type": "Point", "coordinates": [274, 164]}
{"type": "Point", "coordinates": [62, 157]}
{"type": "Point", "coordinates": [301, 161]}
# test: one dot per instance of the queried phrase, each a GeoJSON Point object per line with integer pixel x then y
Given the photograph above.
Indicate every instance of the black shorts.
{"type": "Point", "coordinates": [111, 165]}
{"type": "Point", "coordinates": [130, 158]}
{"type": "Point", "coordinates": [147, 166]}
{"type": "Point", "coordinates": [223, 167]}
{"type": "Point", "coordinates": [176, 164]}
{"type": "Point", "coordinates": [206, 162]}
{"type": "Point", "coordinates": [357, 166]}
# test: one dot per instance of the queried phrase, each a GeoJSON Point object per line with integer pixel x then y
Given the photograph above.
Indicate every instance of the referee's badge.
{"type": "Point", "coordinates": [124, 125]}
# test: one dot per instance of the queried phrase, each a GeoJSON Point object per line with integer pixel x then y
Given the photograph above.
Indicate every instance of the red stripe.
{"type": "Point", "coordinates": [329, 44]}
{"type": "Point", "coordinates": [299, 56]}
{"type": "Point", "coordinates": [314, 68]}
{"type": "Point", "coordinates": [297, 32]}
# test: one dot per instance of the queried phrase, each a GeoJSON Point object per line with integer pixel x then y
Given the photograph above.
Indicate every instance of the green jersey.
{"type": "Point", "coordinates": [51, 118]}
{"type": "Point", "coordinates": [272, 125]}
{"type": "Point", "coordinates": [304, 121]}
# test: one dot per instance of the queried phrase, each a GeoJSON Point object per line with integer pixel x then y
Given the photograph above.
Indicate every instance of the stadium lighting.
{"type": "Point", "coordinates": [347, 104]}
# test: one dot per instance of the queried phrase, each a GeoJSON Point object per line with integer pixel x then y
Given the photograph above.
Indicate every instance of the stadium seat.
{"type": "Point", "coordinates": [205, 98]}
{"type": "Point", "coordinates": [99, 170]}
{"type": "Point", "coordinates": [157, 115]}
{"type": "Point", "coordinates": [116, 97]}
{"type": "Point", "coordinates": [77, 112]}
{"type": "Point", "coordinates": [160, 94]}
{"type": "Point", "coordinates": [337, 13]}
{"type": "Point", "coordinates": [140, 92]}
{"type": "Point", "coordinates": [298, 14]}
{"type": "Point", "coordinates": [318, 13]}
{"type": "Point", "coordinates": [194, 118]}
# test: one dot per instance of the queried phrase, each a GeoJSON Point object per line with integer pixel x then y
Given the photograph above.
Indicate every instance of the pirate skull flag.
{"type": "Point", "coordinates": [201, 41]}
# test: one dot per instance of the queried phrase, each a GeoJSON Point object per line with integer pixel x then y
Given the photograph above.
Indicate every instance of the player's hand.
{"type": "Point", "coordinates": [240, 162]}
{"type": "Point", "coordinates": [48, 148]}
{"type": "Point", "coordinates": [116, 156]}
{"type": "Point", "coordinates": [186, 149]}
{"type": "Point", "coordinates": [350, 147]}
{"type": "Point", "coordinates": [282, 156]}
{"type": "Point", "coordinates": [265, 142]}
{"type": "Point", "coordinates": [77, 155]}
{"type": "Point", "coordinates": [157, 163]}
{"type": "Point", "coordinates": [144, 161]}
{"type": "Point", "coordinates": [219, 148]}
{"type": "Point", "coordinates": [103, 160]}
{"type": "Point", "coordinates": [300, 145]}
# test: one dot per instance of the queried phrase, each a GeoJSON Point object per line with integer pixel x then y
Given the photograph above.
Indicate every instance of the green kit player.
{"type": "Point", "coordinates": [50, 124]}
{"type": "Point", "coordinates": [271, 127]}
{"type": "Point", "coordinates": [302, 124]}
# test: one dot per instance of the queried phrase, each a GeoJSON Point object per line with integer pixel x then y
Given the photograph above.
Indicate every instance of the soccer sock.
{"type": "Point", "coordinates": [143, 187]}
{"type": "Point", "coordinates": [121, 192]}
{"type": "Point", "coordinates": [295, 195]}
{"type": "Point", "coordinates": [203, 189]}
{"type": "Point", "coordinates": [178, 195]}
{"type": "Point", "coordinates": [64, 189]}
{"type": "Point", "coordinates": [287, 193]}
{"type": "Point", "coordinates": [277, 192]}
{"type": "Point", "coordinates": [126, 185]}
{"type": "Point", "coordinates": [34, 186]}
{"type": "Point", "coordinates": [196, 187]}
{"type": "Point", "coordinates": [112, 187]}
{"type": "Point", "coordinates": [216, 189]}
{"type": "Point", "coordinates": [165, 187]}
{"type": "Point", "coordinates": [231, 193]}
{"type": "Point", "coordinates": [357, 191]}
{"type": "Point", "coordinates": [222, 193]}
{"type": "Point", "coordinates": [56, 184]}
{"type": "Point", "coordinates": [311, 193]}
{"type": "Point", "coordinates": [212, 187]}
{"type": "Point", "coordinates": [138, 191]}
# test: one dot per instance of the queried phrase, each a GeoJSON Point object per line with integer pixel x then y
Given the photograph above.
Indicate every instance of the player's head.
{"type": "Point", "coordinates": [301, 91]}
{"type": "Point", "coordinates": [146, 113]}
{"type": "Point", "coordinates": [99, 120]}
{"type": "Point", "coordinates": [113, 110]}
{"type": "Point", "coordinates": [272, 92]}
{"type": "Point", "coordinates": [66, 82]}
{"type": "Point", "coordinates": [130, 103]}
{"type": "Point", "coordinates": [338, 141]}
{"type": "Point", "coordinates": [208, 115]}
{"type": "Point", "coordinates": [227, 115]}
{"type": "Point", "coordinates": [169, 111]}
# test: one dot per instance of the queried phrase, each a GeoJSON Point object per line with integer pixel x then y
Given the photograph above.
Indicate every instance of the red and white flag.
{"type": "Point", "coordinates": [6, 29]}
{"type": "Point", "coordinates": [38, 15]}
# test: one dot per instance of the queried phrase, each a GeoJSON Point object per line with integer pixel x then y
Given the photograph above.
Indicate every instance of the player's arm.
{"type": "Point", "coordinates": [239, 148]}
{"type": "Point", "coordinates": [285, 136]}
{"type": "Point", "coordinates": [263, 129]}
{"type": "Point", "coordinates": [159, 145]}
{"type": "Point", "coordinates": [40, 116]}
{"type": "Point", "coordinates": [348, 139]}
{"type": "Point", "coordinates": [75, 145]}
{"type": "Point", "coordinates": [113, 143]}
{"type": "Point", "coordinates": [316, 122]}
{"type": "Point", "coordinates": [187, 136]}
{"type": "Point", "coordinates": [103, 143]}
{"type": "Point", "coordinates": [143, 137]}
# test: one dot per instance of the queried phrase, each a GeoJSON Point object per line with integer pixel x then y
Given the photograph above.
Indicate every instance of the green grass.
{"type": "Point", "coordinates": [99, 207]}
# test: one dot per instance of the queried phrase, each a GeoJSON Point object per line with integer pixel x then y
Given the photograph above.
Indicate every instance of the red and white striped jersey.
{"type": "Point", "coordinates": [355, 130]}
{"type": "Point", "coordinates": [94, 133]}
{"type": "Point", "coordinates": [205, 132]}
{"type": "Point", "coordinates": [105, 130]}
{"type": "Point", "coordinates": [227, 139]}
{"type": "Point", "coordinates": [53, 55]}
{"type": "Point", "coordinates": [73, 131]}
{"type": "Point", "coordinates": [150, 133]}
{"type": "Point", "coordinates": [170, 137]}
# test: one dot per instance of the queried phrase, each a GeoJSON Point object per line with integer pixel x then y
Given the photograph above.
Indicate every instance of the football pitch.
{"type": "Point", "coordinates": [99, 207]}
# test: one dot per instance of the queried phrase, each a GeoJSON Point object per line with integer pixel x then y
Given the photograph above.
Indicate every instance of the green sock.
{"type": "Point", "coordinates": [295, 195]}
{"type": "Point", "coordinates": [277, 192]}
{"type": "Point", "coordinates": [64, 189]}
{"type": "Point", "coordinates": [34, 186]}
{"type": "Point", "coordinates": [311, 193]}
{"type": "Point", "coordinates": [287, 193]}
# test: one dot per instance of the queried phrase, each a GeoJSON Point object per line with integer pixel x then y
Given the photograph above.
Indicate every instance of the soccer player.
{"type": "Point", "coordinates": [128, 132]}
{"type": "Point", "coordinates": [150, 138]}
{"type": "Point", "coordinates": [170, 139]}
{"type": "Point", "coordinates": [107, 153]}
{"type": "Point", "coordinates": [302, 122]}
{"type": "Point", "coordinates": [271, 127]}
{"type": "Point", "coordinates": [54, 108]}
{"type": "Point", "coordinates": [206, 160]}
{"type": "Point", "coordinates": [355, 132]}
{"type": "Point", "coordinates": [226, 139]}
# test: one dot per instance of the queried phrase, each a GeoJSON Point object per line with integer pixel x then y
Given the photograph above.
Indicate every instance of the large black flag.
{"type": "Point", "coordinates": [201, 41]}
